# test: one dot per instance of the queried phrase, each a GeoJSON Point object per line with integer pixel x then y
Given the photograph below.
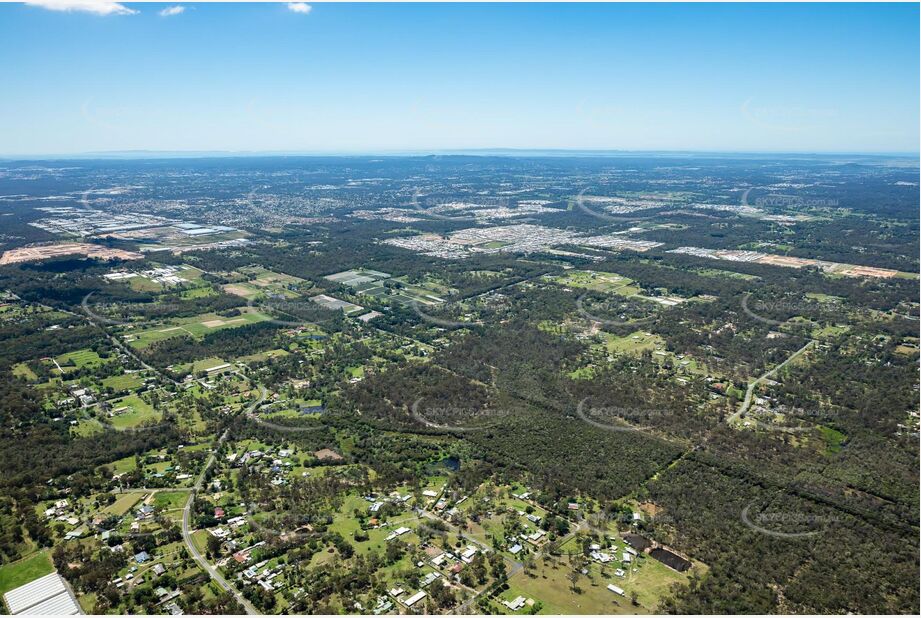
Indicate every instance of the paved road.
{"type": "Point", "coordinates": [187, 510]}
{"type": "Point", "coordinates": [117, 342]}
{"type": "Point", "coordinates": [187, 518]}
{"type": "Point", "coordinates": [749, 393]}
{"type": "Point", "coordinates": [514, 566]}
{"type": "Point", "coordinates": [200, 559]}
{"type": "Point", "coordinates": [153, 490]}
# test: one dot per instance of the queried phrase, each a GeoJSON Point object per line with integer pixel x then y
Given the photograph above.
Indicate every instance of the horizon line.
{"type": "Point", "coordinates": [423, 152]}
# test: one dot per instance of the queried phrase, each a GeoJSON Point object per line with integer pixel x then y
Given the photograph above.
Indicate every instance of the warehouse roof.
{"type": "Point", "coordinates": [45, 595]}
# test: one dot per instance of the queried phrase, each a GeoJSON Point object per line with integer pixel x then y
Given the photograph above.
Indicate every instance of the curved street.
{"type": "Point", "coordinates": [187, 519]}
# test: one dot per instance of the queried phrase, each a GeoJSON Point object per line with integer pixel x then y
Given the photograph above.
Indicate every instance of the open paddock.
{"type": "Point", "coordinates": [197, 327]}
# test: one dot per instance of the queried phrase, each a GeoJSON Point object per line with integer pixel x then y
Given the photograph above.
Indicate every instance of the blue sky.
{"type": "Point", "coordinates": [372, 77]}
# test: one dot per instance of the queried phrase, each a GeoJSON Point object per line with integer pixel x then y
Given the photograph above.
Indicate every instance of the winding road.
{"type": "Point", "coordinates": [750, 391]}
{"type": "Point", "coordinates": [187, 518]}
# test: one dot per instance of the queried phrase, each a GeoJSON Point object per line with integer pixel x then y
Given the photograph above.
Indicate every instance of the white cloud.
{"type": "Point", "coordinates": [98, 7]}
{"type": "Point", "coordinates": [172, 10]}
{"type": "Point", "coordinates": [300, 7]}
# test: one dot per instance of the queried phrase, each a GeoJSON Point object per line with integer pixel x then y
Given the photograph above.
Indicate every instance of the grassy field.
{"type": "Point", "coordinates": [551, 587]}
{"type": "Point", "coordinates": [634, 343]}
{"type": "Point", "coordinates": [345, 524]}
{"type": "Point", "coordinates": [830, 331]}
{"type": "Point", "coordinates": [87, 427]}
{"type": "Point", "coordinates": [79, 359]}
{"type": "Point", "coordinates": [199, 292]}
{"type": "Point", "coordinates": [23, 571]}
{"type": "Point", "coordinates": [242, 289]}
{"type": "Point", "coordinates": [265, 276]}
{"type": "Point", "coordinates": [120, 466]}
{"type": "Point", "coordinates": [200, 539]}
{"type": "Point", "coordinates": [22, 370]}
{"type": "Point", "coordinates": [139, 411]}
{"type": "Point", "coordinates": [203, 364]}
{"type": "Point", "coordinates": [190, 273]}
{"type": "Point", "coordinates": [261, 356]}
{"type": "Point", "coordinates": [143, 284]}
{"type": "Point", "coordinates": [168, 500]}
{"type": "Point", "coordinates": [833, 438]}
{"type": "Point", "coordinates": [718, 272]}
{"type": "Point", "coordinates": [262, 282]}
{"type": "Point", "coordinates": [87, 602]}
{"type": "Point", "coordinates": [197, 326]}
{"type": "Point", "coordinates": [123, 503]}
{"type": "Point", "coordinates": [597, 281]}
{"type": "Point", "coordinates": [649, 579]}
{"type": "Point", "coordinates": [124, 382]}
{"type": "Point", "coordinates": [638, 342]}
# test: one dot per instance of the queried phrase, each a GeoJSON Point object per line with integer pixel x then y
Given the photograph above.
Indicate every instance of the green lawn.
{"type": "Point", "coordinates": [201, 365]}
{"type": "Point", "coordinates": [197, 326]}
{"type": "Point", "coordinates": [261, 356]}
{"type": "Point", "coordinates": [552, 588]}
{"type": "Point", "coordinates": [200, 539]}
{"type": "Point", "coordinates": [123, 503]}
{"type": "Point", "coordinates": [834, 439]}
{"type": "Point", "coordinates": [124, 382]}
{"type": "Point", "coordinates": [22, 572]}
{"type": "Point", "coordinates": [143, 284]}
{"type": "Point", "coordinates": [87, 427]}
{"type": "Point", "coordinates": [120, 466]}
{"type": "Point", "coordinates": [138, 412]}
{"type": "Point", "coordinates": [200, 292]}
{"type": "Point", "coordinates": [345, 523]}
{"type": "Point", "coordinates": [633, 343]}
{"type": "Point", "coordinates": [718, 272]}
{"type": "Point", "coordinates": [168, 500]}
{"type": "Point", "coordinates": [87, 602]}
{"type": "Point", "coordinates": [593, 280]}
{"type": "Point", "coordinates": [22, 370]}
{"type": "Point", "coordinates": [79, 359]}
{"type": "Point", "coordinates": [830, 331]}
{"type": "Point", "coordinates": [191, 274]}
